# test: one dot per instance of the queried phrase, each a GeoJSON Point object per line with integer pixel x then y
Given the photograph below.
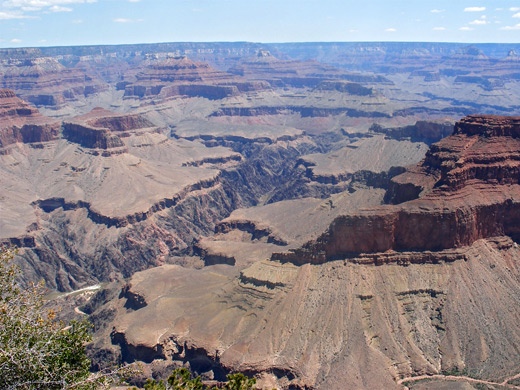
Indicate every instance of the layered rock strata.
{"type": "Point", "coordinates": [294, 73]}
{"type": "Point", "coordinates": [44, 81]}
{"type": "Point", "coordinates": [20, 122]}
{"type": "Point", "coordinates": [102, 130]}
{"type": "Point", "coordinates": [470, 191]}
{"type": "Point", "coordinates": [181, 76]}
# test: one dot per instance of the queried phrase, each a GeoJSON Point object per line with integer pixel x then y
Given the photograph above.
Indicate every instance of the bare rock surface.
{"type": "Point", "coordinates": [44, 81]}
{"type": "Point", "coordinates": [20, 122]}
{"type": "Point", "coordinates": [385, 293]}
{"type": "Point", "coordinates": [473, 195]}
{"type": "Point", "coordinates": [322, 326]}
{"type": "Point", "coordinates": [375, 154]}
{"type": "Point", "coordinates": [293, 222]}
{"type": "Point", "coordinates": [202, 179]}
{"type": "Point", "coordinates": [181, 76]}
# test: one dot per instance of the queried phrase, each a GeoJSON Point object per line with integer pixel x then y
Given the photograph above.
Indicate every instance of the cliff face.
{"type": "Point", "coordinates": [471, 191]}
{"type": "Point", "coordinates": [323, 316]}
{"type": "Point", "coordinates": [181, 76]}
{"type": "Point", "coordinates": [20, 122]}
{"type": "Point", "coordinates": [102, 129]}
{"type": "Point", "coordinates": [44, 81]}
{"type": "Point", "coordinates": [294, 73]}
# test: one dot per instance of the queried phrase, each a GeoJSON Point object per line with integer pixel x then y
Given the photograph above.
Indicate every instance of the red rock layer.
{"type": "Point", "coordinates": [182, 69]}
{"type": "Point", "coordinates": [44, 81]}
{"type": "Point", "coordinates": [296, 73]}
{"type": "Point", "coordinates": [97, 129]}
{"type": "Point", "coordinates": [181, 76]}
{"type": "Point", "coordinates": [20, 122]}
{"type": "Point", "coordinates": [470, 190]}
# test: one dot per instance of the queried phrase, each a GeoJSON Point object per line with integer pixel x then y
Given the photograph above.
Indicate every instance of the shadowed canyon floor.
{"type": "Point", "coordinates": [317, 216]}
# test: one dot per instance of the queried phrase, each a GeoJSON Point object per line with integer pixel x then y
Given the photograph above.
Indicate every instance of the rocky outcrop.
{"type": "Point", "coordinates": [102, 129]}
{"type": "Point", "coordinates": [304, 111]}
{"type": "Point", "coordinates": [423, 131]}
{"type": "Point", "coordinates": [298, 74]}
{"type": "Point", "coordinates": [91, 137]}
{"type": "Point", "coordinates": [180, 76]}
{"type": "Point", "coordinates": [20, 122]}
{"type": "Point", "coordinates": [476, 195]}
{"type": "Point", "coordinates": [44, 81]}
{"type": "Point", "coordinates": [345, 86]}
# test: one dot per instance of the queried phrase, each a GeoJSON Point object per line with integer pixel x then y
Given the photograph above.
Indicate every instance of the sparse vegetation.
{"type": "Point", "coordinates": [181, 379]}
{"type": "Point", "coordinates": [36, 351]}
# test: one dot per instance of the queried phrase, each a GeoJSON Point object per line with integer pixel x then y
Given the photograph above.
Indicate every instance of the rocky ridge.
{"type": "Point", "coordinates": [296, 318]}
{"type": "Point", "coordinates": [310, 73]}
{"type": "Point", "coordinates": [102, 129]}
{"type": "Point", "coordinates": [20, 122]}
{"type": "Point", "coordinates": [43, 81]}
{"type": "Point", "coordinates": [473, 195]}
{"type": "Point", "coordinates": [180, 76]}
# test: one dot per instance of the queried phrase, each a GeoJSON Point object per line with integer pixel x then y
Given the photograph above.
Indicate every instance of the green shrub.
{"type": "Point", "coordinates": [36, 351]}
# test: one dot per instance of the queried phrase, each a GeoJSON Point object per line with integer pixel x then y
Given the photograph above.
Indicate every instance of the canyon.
{"type": "Point", "coordinates": [319, 216]}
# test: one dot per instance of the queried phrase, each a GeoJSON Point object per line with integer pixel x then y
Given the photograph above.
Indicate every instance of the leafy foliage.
{"type": "Point", "coordinates": [36, 351]}
{"type": "Point", "coordinates": [181, 379]}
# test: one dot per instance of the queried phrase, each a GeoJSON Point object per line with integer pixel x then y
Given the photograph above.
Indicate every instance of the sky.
{"type": "Point", "coordinates": [29, 23]}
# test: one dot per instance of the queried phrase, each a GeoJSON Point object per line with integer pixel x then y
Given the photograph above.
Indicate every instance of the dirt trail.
{"type": "Point", "coordinates": [460, 378]}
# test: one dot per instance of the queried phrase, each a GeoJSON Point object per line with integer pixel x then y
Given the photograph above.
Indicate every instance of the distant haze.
{"type": "Point", "coordinates": [84, 22]}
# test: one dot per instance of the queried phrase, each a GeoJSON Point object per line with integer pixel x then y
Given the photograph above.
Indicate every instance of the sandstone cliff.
{"type": "Point", "coordinates": [20, 122]}
{"type": "Point", "coordinates": [181, 76]}
{"type": "Point", "coordinates": [388, 292]}
{"type": "Point", "coordinates": [474, 195]}
{"type": "Point", "coordinates": [44, 81]}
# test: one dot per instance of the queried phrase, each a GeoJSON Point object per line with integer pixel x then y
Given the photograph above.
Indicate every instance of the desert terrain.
{"type": "Point", "coordinates": [318, 216]}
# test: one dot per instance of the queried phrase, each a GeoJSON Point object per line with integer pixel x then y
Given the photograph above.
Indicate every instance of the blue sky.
{"type": "Point", "coordinates": [78, 22]}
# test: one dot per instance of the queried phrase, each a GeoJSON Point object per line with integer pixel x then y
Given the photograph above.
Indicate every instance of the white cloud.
{"type": "Point", "coordinates": [465, 28]}
{"type": "Point", "coordinates": [390, 30]}
{"type": "Point", "coordinates": [42, 40]}
{"type": "Point", "coordinates": [352, 30]}
{"type": "Point", "coordinates": [125, 20]}
{"type": "Point", "coordinates": [479, 22]}
{"type": "Point", "coordinates": [59, 8]}
{"type": "Point", "coordinates": [514, 9]}
{"type": "Point", "coordinates": [474, 9]}
{"type": "Point", "coordinates": [77, 21]}
{"type": "Point", "coordinates": [12, 15]}
{"type": "Point", "coordinates": [517, 15]}
{"type": "Point", "coordinates": [439, 28]}
{"type": "Point", "coordinates": [42, 5]}
{"type": "Point", "coordinates": [16, 40]}
{"type": "Point", "coordinates": [134, 1]}
{"type": "Point", "coordinates": [508, 28]}
{"type": "Point", "coordinates": [437, 11]}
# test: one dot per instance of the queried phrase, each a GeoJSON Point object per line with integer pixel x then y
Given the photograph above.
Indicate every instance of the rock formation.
{"type": "Point", "coordinates": [271, 224]}
{"type": "Point", "coordinates": [102, 129]}
{"type": "Point", "coordinates": [293, 73]}
{"type": "Point", "coordinates": [44, 81]}
{"type": "Point", "coordinates": [20, 122]}
{"type": "Point", "coordinates": [385, 293]}
{"type": "Point", "coordinates": [181, 76]}
{"type": "Point", "coordinates": [471, 192]}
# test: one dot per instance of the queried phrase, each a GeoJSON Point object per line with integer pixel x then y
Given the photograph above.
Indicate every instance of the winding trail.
{"type": "Point", "coordinates": [460, 378]}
